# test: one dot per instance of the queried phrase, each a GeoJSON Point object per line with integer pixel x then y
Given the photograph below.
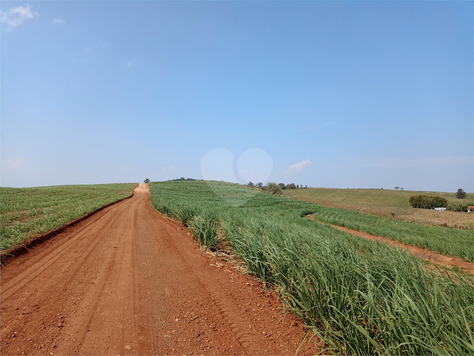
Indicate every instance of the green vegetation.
{"type": "Point", "coordinates": [457, 207]}
{"type": "Point", "coordinates": [388, 203]}
{"type": "Point", "coordinates": [368, 198]}
{"type": "Point", "coordinates": [272, 188]}
{"type": "Point", "coordinates": [25, 212]}
{"type": "Point", "coordinates": [461, 194]}
{"type": "Point", "coordinates": [423, 201]}
{"type": "Point", "coordinates": [447, 241]}
{"type": "Point", "coordinates": [361, 297]}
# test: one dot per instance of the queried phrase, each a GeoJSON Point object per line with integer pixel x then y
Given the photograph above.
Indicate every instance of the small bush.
{"type": "Point", "coordinates": [456, 207]}
{"type": "Point", "coordinates": [273, 188]}
{"type": "Point", "coordinates": [427, 202]}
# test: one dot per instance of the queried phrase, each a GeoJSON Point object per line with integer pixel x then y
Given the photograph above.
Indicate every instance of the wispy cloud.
{"type": "Point", "coordinates": [16, 16]}
{"type": "Point", "coordinates": [419, 162]}
{"type": "Point", "coordinates": [14, 163]}
{"type": "Point", "coordinates": [170, 169]}
{"type": "Point", "coordinates": [95, 48]}
{"type": "Point", "coordinates": [168, 172]}
{"type": "Point", "coordinates": [131, 64]}
{"type": "Point", "coordinates": [298, 166]}
{"type": "Point", "coordinates": [58, 20]}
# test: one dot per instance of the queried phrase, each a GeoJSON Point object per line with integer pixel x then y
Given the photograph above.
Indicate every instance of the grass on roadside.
{"type": "Point", "coordinates": [25, 212]}
{"type": "Point", "coordinates": [361, 297]}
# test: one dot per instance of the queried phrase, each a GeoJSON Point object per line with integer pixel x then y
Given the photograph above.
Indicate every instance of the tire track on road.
{"type": "Point", "coordinates": [129, 281]}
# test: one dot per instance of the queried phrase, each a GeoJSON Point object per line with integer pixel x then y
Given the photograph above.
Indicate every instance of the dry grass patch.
{"type": "Point", "coordinates": [387, 203]}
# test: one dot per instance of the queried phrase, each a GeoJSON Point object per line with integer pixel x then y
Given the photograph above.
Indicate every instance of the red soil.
{"type": "Point", "coordinates": [127, 281]}
{"type": "Point", "coordinates": [427, 255]}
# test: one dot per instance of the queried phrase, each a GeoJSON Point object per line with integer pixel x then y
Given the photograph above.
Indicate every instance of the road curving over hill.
{"type": "Point", "coordinates": [128, 281]}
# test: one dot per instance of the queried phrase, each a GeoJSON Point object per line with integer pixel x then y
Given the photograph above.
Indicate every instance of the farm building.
{"type": "Point", "coordinates": [470, 209]}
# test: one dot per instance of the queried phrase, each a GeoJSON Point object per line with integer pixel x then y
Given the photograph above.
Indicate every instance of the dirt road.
{"type": "Point", "coordinates": [130, 281]}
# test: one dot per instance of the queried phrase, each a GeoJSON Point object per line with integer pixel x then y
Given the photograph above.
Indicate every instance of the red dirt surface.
{"type": "Point", "coordinates": [427, 255]}
{"type": "Point", "coordinates": [128, 281]}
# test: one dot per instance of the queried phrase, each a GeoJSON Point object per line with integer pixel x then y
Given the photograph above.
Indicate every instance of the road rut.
{"type": "Point", "coordinates": [128, 281]}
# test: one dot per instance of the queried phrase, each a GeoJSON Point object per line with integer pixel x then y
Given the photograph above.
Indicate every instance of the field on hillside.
{"type": "Point", "coordinates": [387, 203]}
{"type": "Point", "coordinates": [25, 212]}
{"type": "Point", "coordinates": [359, 296]}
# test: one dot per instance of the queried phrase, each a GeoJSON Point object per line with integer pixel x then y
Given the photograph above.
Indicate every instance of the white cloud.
{"type": "Point", "coordinates": [95, 48]}
{"type": "Point", "coordinates": [14, 163]}
{"type": "Point", "coordinates": [168, 172]}
{"type": "Point", "coordinates": [420, 162]}
{"type": "Point", "coordinates": [58, 20]}
{"type": "Point", "coordinates": [15, 16]}
{"type": "Point", "coordinates": [170, 169]}
{"type": "Point", "coordinates": [298, 166]}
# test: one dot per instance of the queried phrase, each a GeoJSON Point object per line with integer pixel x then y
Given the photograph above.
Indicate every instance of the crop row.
{"type": "Point", "coordinates": [358, 296]}
{"type": "Point", "coordinates": [447, 241]}
{"type": "Point", "coordinates": [29, 211]}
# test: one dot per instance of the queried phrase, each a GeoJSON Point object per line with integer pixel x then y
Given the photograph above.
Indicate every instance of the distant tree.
{"type": "Point", "coordinates": [291, 186]}
{"type": "Point", "coordinates": [401, 188]}
{"type": "Point", "coordinates": [282, 185]}
{"type": "Point", "coordinates": [461, 194]}
{"type": "Point", "coordinates": [272, 188]}
{"type": "Point", "coordinates": [306, 186]}
{"type": "Point", "coordinates": [396, 188]}
{"type": "Point", "coordinates": [146, 181]}
{"type": "Point", "coordinates": [250, 185]}
{"type": "Point", "coordinates": [259, 185]}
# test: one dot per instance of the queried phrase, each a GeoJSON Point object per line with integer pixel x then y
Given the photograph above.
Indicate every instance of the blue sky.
{"type": "Point", "coordinates": [325, 94]}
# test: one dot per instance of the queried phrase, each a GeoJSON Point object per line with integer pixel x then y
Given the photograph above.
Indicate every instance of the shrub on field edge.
{"type": "Point", "coordinates": [272, 188]}
{"type": "Point", "coordinates": [427, 202]}
{"type": "Point", "coordinates": [456, 207]}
